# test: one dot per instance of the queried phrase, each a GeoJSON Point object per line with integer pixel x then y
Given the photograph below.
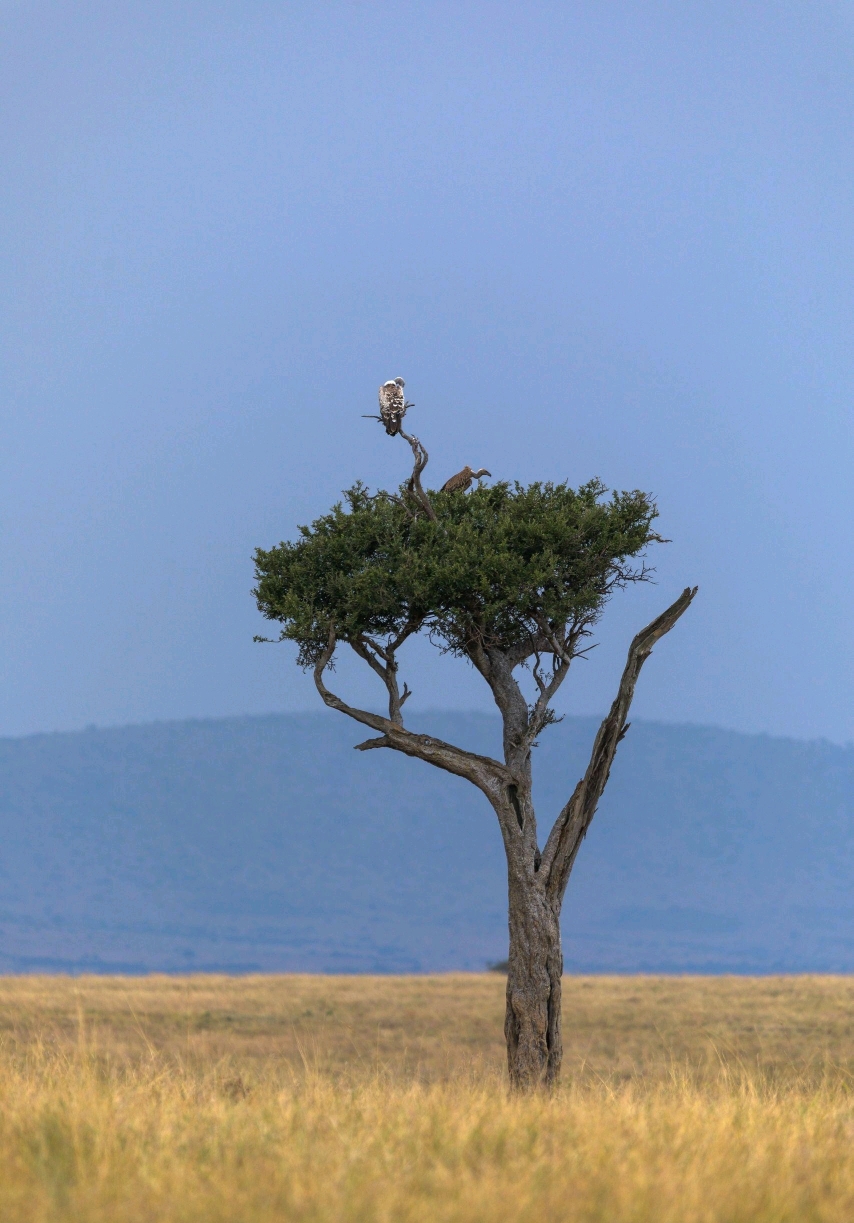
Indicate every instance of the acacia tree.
{"type": "Point", "coordinates": [507, 577]}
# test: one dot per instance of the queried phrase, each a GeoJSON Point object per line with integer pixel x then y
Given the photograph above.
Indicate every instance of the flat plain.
{"type": "Point", "coordinates": [684, 1100]}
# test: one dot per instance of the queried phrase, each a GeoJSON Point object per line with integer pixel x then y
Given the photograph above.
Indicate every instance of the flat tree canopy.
{"type": "Point", "coordinates": [493, 570]}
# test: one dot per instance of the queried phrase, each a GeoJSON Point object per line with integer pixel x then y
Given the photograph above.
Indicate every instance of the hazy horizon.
{"type": "Point", "coordinates": [427, 713]}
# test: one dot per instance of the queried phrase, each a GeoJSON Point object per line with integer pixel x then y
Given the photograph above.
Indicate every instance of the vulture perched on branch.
{"type": "Point", "coordinates": [393, 405]}
{"type": "Point", "coordinates": [461, 482]}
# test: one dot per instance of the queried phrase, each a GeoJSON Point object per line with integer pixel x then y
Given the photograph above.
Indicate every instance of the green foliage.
{"type": "Point", "coordinates": [498, 561]}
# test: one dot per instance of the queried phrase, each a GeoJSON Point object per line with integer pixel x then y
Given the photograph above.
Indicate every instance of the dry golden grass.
{"type": "Point", "coordinates": [256, 1099]}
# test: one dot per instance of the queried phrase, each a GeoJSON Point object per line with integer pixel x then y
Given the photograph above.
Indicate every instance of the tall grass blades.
{"type": "Point", "coordinates": [190, 1100]}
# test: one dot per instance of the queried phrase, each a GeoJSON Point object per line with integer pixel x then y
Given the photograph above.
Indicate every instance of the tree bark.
{"type": "Point", "coordinates": [533, 1011]}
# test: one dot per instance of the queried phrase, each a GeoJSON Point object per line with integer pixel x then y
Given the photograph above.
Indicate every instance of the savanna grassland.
{"type": "Point", "coordinates": [685, 1100]}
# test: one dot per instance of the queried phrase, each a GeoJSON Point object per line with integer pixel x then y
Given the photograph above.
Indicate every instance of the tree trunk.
{"type": "Point", "coordinates": [532, 1018]}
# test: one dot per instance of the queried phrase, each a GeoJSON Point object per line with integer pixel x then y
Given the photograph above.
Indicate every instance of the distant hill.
{"type": "Point", "coordinates": [266, 843]}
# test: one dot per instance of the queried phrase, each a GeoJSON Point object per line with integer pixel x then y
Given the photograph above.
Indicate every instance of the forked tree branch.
{"type": "Point", "coordinates": [571, 826]}
{"type": "Point", "coordinates": [541, 713]}
{"type": "Point", "coordinates": [523, 723]}
{"type": "Point", "coordinates": [413, 484]}
{"type": "Point", "coordinates": [382, 660]}
{"type": "Point", "coordinates": [560, 649]}
{"type": "Point", "coordinates": [487, 774]}
{"type": "Point", "coordinates": [563, 650]}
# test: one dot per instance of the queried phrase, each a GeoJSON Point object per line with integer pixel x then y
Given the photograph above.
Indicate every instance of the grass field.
{"type": "Point", "coordinates": [685, 1100]}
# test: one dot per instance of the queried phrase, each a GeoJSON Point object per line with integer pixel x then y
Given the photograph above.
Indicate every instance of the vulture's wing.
{"type": "Point", "coordinates": [392, 406]}
{"type": "Point", "coordinates": [461, 480]}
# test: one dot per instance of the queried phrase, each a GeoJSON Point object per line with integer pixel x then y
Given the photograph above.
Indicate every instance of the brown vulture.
{"type": "Point", "coordinates": [461, 482]}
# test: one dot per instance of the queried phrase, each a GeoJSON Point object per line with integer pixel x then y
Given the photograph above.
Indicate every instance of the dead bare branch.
{"type": "Point", "coordinates": [571, 826]}
{"type": "Point", "coordinates": [413, 484]}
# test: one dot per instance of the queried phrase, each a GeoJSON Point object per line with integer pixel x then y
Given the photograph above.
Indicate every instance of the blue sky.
{"type": "Point", "coordinates": [610, 240]}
